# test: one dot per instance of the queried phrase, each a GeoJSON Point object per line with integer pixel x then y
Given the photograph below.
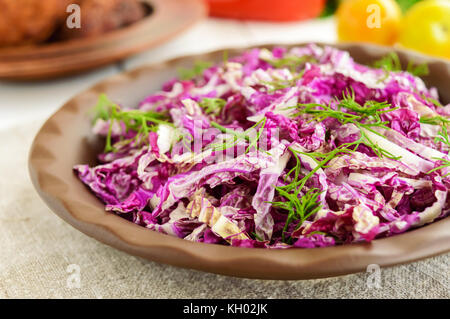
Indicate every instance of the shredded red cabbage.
{"type": "Point", "coordinates": [276, 149]}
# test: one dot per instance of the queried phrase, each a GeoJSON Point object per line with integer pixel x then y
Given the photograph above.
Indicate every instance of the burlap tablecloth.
{"type": "Point", "coordinates": [37, 249]}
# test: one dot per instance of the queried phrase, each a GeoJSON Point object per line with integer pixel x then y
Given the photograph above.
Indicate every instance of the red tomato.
{"type": "Point", "coordinates": [269, 10]}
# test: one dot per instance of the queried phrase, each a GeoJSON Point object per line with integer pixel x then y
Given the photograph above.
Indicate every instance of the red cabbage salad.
{"type": "Point", "coordinates": [276, 149]}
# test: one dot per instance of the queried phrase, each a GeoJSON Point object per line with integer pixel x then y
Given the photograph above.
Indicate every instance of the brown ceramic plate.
{"type": "Point", "coordinates": [66, 140]}
{"type": "Point", "coordinates": [166, 19]}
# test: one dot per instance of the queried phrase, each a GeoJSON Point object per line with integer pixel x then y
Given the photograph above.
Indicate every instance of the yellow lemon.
{"type": "Point", "coordinates": [426, 28]}
{"type": "Point", "coordinates": [376, 21]}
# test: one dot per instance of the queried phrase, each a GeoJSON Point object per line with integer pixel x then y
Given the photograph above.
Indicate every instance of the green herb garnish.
{"type": "Point", "coordinates": [212, 105]}
{"type": "Point", "coordinates": [418, 70]}
{"type": "Point", "coordinates": [291, 62]}
{"type": "Point", "coordinates": [435, 102]}
{"type": "Point", "coordinates": [257, 237]}
{"type": "Point", "coordinates": [141, 122]}
{"type": "Point", "coordinates": [443, 136]}
{"type": "Point", "coordinates": [367, 117]}
{"type": "Point", "coordinates": [434, 120]}
{"type": "Point", "coordinates": [240, 136]}
{"type": "Point", "coordinates": [391, 63]}
{"type": "Point", "coordinates": [446, 164]}
{"type": "Point", "coordinates": [198, 69]}
{"type": "Point", "coordinates": [299, 208]}
{"type": "Point", "coordinates": [280, 84]}
{"type": "Point", "coordinates": [225, 57]}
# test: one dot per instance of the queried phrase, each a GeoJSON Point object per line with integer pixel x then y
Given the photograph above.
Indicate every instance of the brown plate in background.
{"type": "Point", "coordinates": [167, 19]}
{"type": "Point", "coordinates": [66, 140]}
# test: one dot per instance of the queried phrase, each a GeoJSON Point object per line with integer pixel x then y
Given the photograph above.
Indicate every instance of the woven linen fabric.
{"type": "Point", "coordinates": [43, 257]}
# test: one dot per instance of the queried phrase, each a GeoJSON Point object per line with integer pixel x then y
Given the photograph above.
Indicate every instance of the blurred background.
{"type": "Point", "coordinates": [65, 46]}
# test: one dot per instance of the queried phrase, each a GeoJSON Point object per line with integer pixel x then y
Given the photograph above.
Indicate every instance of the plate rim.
{"type": "Point", "coordinates": [428, 241]}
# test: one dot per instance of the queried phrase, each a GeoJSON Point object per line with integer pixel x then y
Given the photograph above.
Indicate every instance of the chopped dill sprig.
{"type": "Point", "coordinates": [370, 110]}
{"type": "Point", "coordinates": [444, 139]}
{"type": "Point", "coordinates": [320, 158]}
{"type": "Point", "coordinates": [443, 136]}
{"type": "Point", "coordinates": [225, 57]}
{"type": "Point", "coordinates": [364, 139]}
{"type": "Point", "coordinates": [435, 102]}
{"type": "Point", "coordinates": [446, 164]}
{"type": "Point", "coordinates": [291, 62]}
{"type": "Point", "coordinates": [198, 69]}
{"type": "Point", "coordinates": [418, 70]}
{"type": "Point", "coordinates": [212, 105]}
{"type": "Point", "coordinates": [299, 208]}
{"type": "Point", "coordinates": [290, 192]}
{"type": "Point", "coordinates": [434, 120]}
{"type": "Point", "coordinates": [258, 238]}
{"type": "Point", "coordinates": [367, 117]}
{"type": "Point", "coordinates": [320, 112]}
{"type": "Point", "coordinates": [280, 84]}
{"type": "Point", "coordinates": [391, 63]}
{"type": "Point", "coordinates": [102, 109]}
{"type": "Point", "coordinates": [141, 122]}
{"type": "Point", "coordinates": [240, 136]}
